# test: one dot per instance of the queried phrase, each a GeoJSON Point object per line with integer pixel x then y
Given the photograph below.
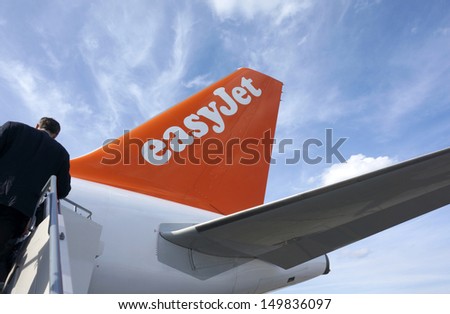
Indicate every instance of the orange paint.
{"type": "Point", "coordinates": [210, 151]}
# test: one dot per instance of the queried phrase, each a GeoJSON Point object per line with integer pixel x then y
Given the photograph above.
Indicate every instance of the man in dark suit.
{"type": "Point", "coordinates": [28, 157]}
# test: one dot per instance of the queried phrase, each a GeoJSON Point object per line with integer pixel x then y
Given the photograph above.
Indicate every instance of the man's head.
{"type": "Point", "coordinates": [51, 126]}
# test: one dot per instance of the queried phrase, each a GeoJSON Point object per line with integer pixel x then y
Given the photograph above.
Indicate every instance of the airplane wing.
{"type": "Point", "coordinates": [299, 228]}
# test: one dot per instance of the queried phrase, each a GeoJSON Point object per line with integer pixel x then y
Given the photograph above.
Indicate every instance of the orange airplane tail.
{"type": "Point", "coordinates": [211, 151]}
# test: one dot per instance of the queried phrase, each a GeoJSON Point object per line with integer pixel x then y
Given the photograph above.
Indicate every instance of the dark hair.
{"type": "Point", "coordinates": [50, 124]}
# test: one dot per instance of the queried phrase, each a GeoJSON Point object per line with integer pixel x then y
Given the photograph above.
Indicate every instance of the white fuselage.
{"type": "Point", "coordinates": [128, 255]}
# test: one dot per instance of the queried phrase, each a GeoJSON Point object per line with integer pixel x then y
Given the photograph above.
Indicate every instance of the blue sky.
{"type": "Point", "coordinates": [374, 71]}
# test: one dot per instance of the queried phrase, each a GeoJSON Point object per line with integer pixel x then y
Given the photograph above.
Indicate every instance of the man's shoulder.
{"type": "Point", "coordinates": [14, 125]}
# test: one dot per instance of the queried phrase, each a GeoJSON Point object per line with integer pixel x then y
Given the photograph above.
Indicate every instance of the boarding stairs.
{"type": "Point", "coordinates": [58, 255]}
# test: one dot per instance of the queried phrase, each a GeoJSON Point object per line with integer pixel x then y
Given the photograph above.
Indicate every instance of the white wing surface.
{"type": "Point", "coordinates": [299, 228]}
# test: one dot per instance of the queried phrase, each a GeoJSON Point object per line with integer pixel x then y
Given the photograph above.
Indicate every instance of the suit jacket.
{"type": "Point", "coordinates": [28, 157]}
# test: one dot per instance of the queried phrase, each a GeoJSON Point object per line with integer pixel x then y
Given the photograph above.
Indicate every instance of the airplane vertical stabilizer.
{"type": "Point", "coordinates": [211, 151]}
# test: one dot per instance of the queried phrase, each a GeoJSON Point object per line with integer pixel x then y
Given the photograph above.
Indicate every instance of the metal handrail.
{"type": "Point", "coordinates": [52, 209]}
{"type": "Point", "coordinates": [78, 206]}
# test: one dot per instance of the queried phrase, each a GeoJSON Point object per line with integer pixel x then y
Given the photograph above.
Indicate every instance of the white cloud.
{"type": "Point", "coordinates": [172, 75]}
{"type": "Point", "coordinates": [416, 84]}
{"type": "Point", "coordinates": [138, 57]}
{"type": "Point", "coordinates": [361, 5]}
{"type": "Point", "coordinates": [199, 81]}
{"type": "Point", "coordinates": [444, 31]}
{"type": "Point", "coordinates": [355, 165]}
{"type": "Point", "coordinates": [355, 253]}
{"type": "Point", "coordinates": [39, 95]}
{"type": "Point", "coordinates": [277, 9]}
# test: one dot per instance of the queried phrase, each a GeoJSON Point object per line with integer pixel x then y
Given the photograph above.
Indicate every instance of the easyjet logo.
{"type": "Point", "coordinates": [176, 138]}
